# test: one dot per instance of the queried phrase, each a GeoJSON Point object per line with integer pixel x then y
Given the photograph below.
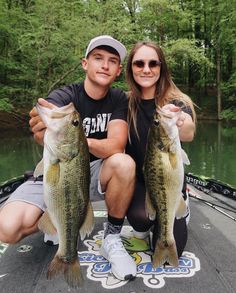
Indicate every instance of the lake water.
{"type": "Point", "coordinates": [18, 153]}
{"type": "Point", "coordinates": [212, 153]}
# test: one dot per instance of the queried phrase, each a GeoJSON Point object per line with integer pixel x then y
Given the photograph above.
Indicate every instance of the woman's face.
{"type": "Point", "coordinates": [146, 68]}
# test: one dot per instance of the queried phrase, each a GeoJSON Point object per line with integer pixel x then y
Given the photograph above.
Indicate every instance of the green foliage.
{"type": "Point", "coordinates": [229, 101]}
{"type": "Point", "coordinates": [229, 90]}
{"type": "Point", "coordinates": [228, 114]}
{"type": "Point", "coordinates": [161, 20]}
{"type": "Point", "coordinates": [42, 42]}
{"type": "Point", "coordinates": [5, 105]}
{"type": "Point", "coordinates": [184, 55]}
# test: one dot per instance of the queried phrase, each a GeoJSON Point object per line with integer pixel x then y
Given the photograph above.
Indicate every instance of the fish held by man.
{"type": "Point", "coordinates": [66, 178]}
{"type": "Point", "coordinates": [164, 176]}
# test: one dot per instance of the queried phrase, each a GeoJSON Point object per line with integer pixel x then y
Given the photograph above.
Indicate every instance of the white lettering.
{"type": "Point", "coordinates": [93, 125]}
{"type": "Point", "coordinates": [187, 262]}
{"type": "Point", "coordinates": [86, 125]}
{"type": "Point", "coordinates": [97, 124]}
{"type": "Point", "coordinates": [101, 122]}
{"type": "Point", "coordinates": [108, 119]}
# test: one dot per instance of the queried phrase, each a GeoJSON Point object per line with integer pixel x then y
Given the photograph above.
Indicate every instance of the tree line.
{"type": "Point", "coordinates": [42, 44]}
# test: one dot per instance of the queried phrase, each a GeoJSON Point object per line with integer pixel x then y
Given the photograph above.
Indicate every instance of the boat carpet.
{"type": "Point", "coordinates": [207, 264]}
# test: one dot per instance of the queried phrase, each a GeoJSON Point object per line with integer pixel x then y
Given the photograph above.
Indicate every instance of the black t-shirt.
{"type": "Point", "coordinates": [136, 147]}
{"type": "Point", "coordinates": [95, 114]}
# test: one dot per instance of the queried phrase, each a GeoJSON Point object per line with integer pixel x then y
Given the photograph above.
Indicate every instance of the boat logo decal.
{"type": "Point", "coordinates": [98, 268]}
{"type": "Point", "coordinates": [3, 248]}
{"type": "Point", "coordinates": [24, 248]}
{"type": "Point", "coordinates": [1, 276]}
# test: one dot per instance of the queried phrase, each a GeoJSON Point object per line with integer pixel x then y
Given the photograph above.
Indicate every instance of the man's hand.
{"type": "Point", "coordinates": [36, 124]}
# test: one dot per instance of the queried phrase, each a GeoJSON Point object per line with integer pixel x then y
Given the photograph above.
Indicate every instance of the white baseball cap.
{"type": "Point", "coordinates": [106, 40]}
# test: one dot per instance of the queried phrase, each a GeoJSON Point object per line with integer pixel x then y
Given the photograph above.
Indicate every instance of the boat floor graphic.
{"type": "Point", "coordinates": [207, 264]}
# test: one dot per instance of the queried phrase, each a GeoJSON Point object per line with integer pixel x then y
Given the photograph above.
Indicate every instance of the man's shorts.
{"type": "Point", "coordinates": [32, 191]}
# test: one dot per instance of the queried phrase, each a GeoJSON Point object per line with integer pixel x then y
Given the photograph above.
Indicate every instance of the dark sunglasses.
{"type": "Point", "coordinates": [151, 63]}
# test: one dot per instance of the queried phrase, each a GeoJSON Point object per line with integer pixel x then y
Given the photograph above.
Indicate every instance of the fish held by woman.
{"type": "Point", "coordinates": [66, 178]}
{"type": "Point", "coordinates": [164, 176]}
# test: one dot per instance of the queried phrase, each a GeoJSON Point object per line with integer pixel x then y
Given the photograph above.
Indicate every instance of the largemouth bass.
{"type": "Point", "coordinates": [164, 176]}
{"type": "Point", "coordinates": [66, 178]}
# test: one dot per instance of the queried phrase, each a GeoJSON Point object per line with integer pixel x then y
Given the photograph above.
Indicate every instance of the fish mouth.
{"type": "Point", "coordinates": [165, 114]}
{"type": "Point", "coordinates": [55, 112]}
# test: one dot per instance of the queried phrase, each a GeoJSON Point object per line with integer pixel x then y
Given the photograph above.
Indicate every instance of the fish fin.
{"type": "Point", "coordinates": [165, 253]}
{"type": "Point", "coordinates": [38, 171]}
{"type": "Point", "coordinates": [185, 157]}
{"type": "Point", "coordinates": [45, 224]}
{"type": "Point", "coordinates": [182, 209]}
{"type": "Point", "coordinates": [53, 174]}
{"type": "Point", "coordinates": [150, 211]}
{"type": "Point", "coordinates": [71, 271]}
{"type": "Point", "coordinates": [88, 223]}
{"type": "Point", "coordinates": [173, 160]}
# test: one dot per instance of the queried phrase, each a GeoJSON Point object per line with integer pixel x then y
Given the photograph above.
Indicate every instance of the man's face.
{"type": "Point", "coordinates": [102, 67]}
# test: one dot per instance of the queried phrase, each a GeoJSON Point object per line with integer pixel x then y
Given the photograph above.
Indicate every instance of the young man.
{"type": "Point", "coordinates": [103, 111]}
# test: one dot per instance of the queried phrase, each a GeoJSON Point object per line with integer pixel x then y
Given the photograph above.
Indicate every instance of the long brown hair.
{"type": "Point", "coordinates": [166, 91]}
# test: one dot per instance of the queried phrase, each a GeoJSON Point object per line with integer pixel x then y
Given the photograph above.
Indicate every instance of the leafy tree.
{"type": "Point", "coordinates": [42, 43]}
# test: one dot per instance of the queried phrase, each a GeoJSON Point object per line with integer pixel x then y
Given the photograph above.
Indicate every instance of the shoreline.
{"type": "Point", "coordinates": [14, 120]}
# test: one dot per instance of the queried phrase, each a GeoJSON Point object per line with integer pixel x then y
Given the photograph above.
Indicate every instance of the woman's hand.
{"type": "Point", "coordinates": [184, 123]}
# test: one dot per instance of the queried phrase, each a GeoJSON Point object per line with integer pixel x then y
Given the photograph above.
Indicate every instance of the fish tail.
{"type": "Point", "coordinates": [88, 223]}
{"type": "Point", "coordinates": [71, 271]}
{"type": "Point", "coordinates": [73, 274]}
{"type": "Point", "coordinates": [165, 253]}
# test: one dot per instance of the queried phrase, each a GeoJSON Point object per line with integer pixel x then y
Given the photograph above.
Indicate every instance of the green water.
{"type": "Point", "coordinates": [18, 153]}
{"type": "Point", "coordinates": [212, 153]}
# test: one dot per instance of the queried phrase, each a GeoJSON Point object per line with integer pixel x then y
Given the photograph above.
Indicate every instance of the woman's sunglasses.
{"type": "Point", "coordinates": [151, 63]}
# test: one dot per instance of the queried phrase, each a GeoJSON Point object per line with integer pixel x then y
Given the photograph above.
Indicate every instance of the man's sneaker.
{"type": "Point", "coordinates": [123, 266]}
{"type": "Point", "coordinates": [141, 235]}
{"type": "Point", "coordinates": [51, 239]}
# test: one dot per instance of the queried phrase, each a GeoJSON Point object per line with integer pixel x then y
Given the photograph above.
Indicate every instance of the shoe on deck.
{"type": "Point", "coordinates": [51, 239]}
{"type": "Point", "coordinates": [123, 266]}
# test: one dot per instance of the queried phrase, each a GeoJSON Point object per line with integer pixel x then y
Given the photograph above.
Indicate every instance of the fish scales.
{"type": "Point", "coordinates": [65, 215]}
{"type": "Point", "coordinates": [66, 188]}
{"type": "Point", "coordinates": [155, 182]}
{"type": "Point", "coordinates": [163, 173]}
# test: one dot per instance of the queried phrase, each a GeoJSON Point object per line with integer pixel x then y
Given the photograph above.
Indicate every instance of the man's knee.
{"type": "Point", "coordinates": [17, 223]}
{"type": "Point", "coordinates": [9, 230]}
{"type": "Point", "coordinates": [123, 164]}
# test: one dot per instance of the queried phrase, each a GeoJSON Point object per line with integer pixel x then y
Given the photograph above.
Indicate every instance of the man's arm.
{"type": "Point", "coordinates": [102, 148]}
{"type": "Point", "coordinates": [115, 142]}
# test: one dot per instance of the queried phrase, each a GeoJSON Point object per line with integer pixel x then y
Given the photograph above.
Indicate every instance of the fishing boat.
{"type": "Point", "coordinates": [207, 264]}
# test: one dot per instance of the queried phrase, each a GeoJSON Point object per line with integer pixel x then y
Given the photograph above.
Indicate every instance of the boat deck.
{"type": "Point", "coordinates": [207, 265]}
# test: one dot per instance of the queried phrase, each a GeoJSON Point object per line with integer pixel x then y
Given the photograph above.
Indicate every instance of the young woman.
{"type": "Point", "coordinates": [150, 84]}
